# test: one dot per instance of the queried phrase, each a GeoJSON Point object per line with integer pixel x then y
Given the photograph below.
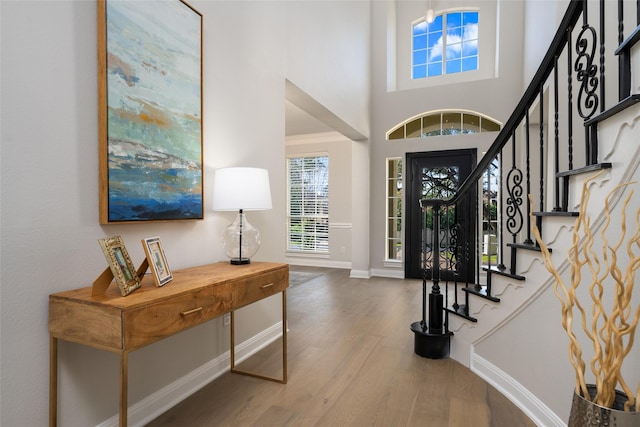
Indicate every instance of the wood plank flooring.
{"type": "Point", "coordinates": [351, 363]}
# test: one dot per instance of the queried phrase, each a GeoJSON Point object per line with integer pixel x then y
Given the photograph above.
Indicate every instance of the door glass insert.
{"type": "Point", "coordinates": [440, 182]}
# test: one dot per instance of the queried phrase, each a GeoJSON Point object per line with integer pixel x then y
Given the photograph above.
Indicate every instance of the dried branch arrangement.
{"type": "Point", "coordinates": [611, 330]}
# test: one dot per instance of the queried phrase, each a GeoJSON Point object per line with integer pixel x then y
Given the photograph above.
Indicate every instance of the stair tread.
{"type": "Point", "coordinates": [586, 169]}
{"type": "Point", "coordinates": [461, 311]}
{"type": "Point", "coordinates": [482, 292]}
{"type": "Point", "coordinates": [629, 42]}
{"type": "Point", "coordinates": [526, 246]}
{"type": "Point", "coordinates": [620, 106]}
{"type": "Point", "coordinates": [503, 273]}
{"type": "Point", "coordinates": [558, 213]}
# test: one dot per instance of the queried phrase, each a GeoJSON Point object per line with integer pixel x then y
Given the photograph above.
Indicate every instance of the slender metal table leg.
{"type": "Point", "coordinates": [124, 399]}
{"type": "Point", "coordinates": [284, 347]}
{"type": "Point", "coordinates": [53, 381]}
{"type": "Point", "coordinates": [284, 337]}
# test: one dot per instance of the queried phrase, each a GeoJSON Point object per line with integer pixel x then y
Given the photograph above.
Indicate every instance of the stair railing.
{"type": "Point", "coordinates": [536, 150]}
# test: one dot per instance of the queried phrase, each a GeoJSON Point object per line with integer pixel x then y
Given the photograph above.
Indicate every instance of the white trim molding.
{"type": "Point", "coordinates": [515, 392]}
{"type": "Point", "coordinates": [341, 225]}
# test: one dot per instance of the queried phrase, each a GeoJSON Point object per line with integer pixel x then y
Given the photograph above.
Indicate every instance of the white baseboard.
{"type": "Point", "coordinates": [317, 262]}
{"type": "Point", "coordinates": [360, 274]}
{"type": "Point", "coordinates": [149, 408]}
{"type": "Point", "coordinates": [389, 273]}
{"type": "Point", "coordinates": [515, 392]}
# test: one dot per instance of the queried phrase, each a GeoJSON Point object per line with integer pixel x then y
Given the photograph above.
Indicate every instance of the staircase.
{"type": "Point", "coordinates": [579, 115]}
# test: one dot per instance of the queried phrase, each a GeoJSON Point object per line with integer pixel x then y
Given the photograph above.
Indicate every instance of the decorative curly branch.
{"type": "Point", "coordinates": [607, 330]}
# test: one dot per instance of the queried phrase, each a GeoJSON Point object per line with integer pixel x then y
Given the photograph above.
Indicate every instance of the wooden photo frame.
{"type": "Point", "coordinates": [120, 264]}
{"type": "Point", "coordinates": [149, 111]}
{"type": "Point", "coordinates": [157, 261]}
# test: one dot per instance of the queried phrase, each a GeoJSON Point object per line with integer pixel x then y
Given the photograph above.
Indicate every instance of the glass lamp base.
{"type": "Point", "coordinates": [241, 240]}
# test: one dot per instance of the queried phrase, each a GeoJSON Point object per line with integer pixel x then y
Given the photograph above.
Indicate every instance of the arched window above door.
{"type": "Point", "coordinates": [444, 122]}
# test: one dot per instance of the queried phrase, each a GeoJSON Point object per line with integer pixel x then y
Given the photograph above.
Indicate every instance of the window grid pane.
{"type": "Point", "coordinates": [436, 51]}
{"type": "Point", "coordinates": [308, 207]}
{"type": "Point", "coordinates": [449, 123]}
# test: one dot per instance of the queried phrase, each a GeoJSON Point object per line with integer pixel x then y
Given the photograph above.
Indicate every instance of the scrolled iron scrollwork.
{"type": "Point", "coordinates": [452, 249]}
{"type": "Point", "coordinates": [515, 218]}
{"type": "Point", "coordinates": [586, 72]}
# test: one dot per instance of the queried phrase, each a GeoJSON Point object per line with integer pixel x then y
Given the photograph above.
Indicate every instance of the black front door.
{"type": "Point", "coordinates": [437, 175]}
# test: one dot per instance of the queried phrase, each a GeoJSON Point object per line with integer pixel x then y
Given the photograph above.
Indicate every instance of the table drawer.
{"type": "Point", "coordinates": [159, 320]}
{"type": "Point", "coordinates": [255, 288]}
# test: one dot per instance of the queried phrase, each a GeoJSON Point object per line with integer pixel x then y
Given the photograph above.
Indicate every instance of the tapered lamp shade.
{"type": "Point", "coordinates": [240, 189]}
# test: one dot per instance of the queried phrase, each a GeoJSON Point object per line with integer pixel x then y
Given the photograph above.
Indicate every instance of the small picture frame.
{"type": "Point", "coordinates": [120, 263]}
{"type": "Point", "coordinates": [157, 260]}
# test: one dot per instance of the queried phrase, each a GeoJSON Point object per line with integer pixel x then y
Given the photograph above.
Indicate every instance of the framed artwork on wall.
{"type": "Point", "coordinates": [120, 264]}
{"type": "Point", "coordinates": [150, 111]}
{"type": "Point", "coordinates": [157, 261]}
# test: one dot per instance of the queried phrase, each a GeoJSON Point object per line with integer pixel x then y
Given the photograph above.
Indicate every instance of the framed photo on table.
{"type": "Point", "coordinates": [120, 264]}
{"type": "Point", "coordinates": [157, 261]}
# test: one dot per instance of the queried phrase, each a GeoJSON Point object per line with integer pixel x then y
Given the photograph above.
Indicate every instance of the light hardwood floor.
{"type": "Point", "coordinates": [351, 363]}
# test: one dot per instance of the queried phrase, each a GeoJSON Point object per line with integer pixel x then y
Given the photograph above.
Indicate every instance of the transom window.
{"type": "Point", "coordinates": [443, 123]}
{"type": "Point", "coordinates": [447, 45]}
{"type": "Point", "coordinates": [308, 204]}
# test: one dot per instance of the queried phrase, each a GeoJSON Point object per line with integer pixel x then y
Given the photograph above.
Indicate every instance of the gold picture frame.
{"type": "Point", "coordinates": [120, 264]}
{"type": "Point", "coordinates": [157, 260]}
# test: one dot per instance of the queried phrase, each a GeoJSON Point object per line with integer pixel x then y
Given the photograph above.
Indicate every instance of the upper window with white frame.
{"type": "Point", "coordinates": [447, 45]}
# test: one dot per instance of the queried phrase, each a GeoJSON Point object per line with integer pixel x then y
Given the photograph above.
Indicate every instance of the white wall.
{"type": "Point", "coordinates": [49, 179]}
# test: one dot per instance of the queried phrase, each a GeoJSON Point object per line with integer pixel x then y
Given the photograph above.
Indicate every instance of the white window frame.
{"type": "Point", "coordinates": [391, 215]}
{"type": "Point", "coordinates": [446, 44]}
{"type": "Point", "coordinates": [320, 239]}
{"type": "Point", "coordinates": [400, 59]}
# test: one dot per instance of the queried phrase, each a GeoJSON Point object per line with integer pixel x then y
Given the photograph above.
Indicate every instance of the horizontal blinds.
{"type": "Point", "coordinates": [308, 207]}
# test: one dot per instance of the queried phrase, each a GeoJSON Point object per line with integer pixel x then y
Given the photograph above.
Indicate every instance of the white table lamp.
{"type": "Point", "coordinates": [241, 189]}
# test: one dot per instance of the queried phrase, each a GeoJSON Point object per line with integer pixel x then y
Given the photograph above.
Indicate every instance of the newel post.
{"type": "Point", "coordinates": [431, 338]}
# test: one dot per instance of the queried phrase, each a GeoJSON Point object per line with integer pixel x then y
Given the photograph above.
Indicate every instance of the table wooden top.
{"type": "Point", "coordinates": [184, 280]}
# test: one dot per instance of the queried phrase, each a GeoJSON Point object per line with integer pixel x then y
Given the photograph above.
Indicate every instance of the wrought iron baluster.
{"type": "Point", "coordinates": [556, 140]}
{"type": "Point", "coordinates": [624, 59]}
{"type": "Point", "coordinates": [541, 169]}
{"type": "Point", "coordinates": [515, 219]}
{"type": "Point", "coordinates": [570, 100]}
{"type": "Point", "coordinates": [456, 263]}
{"type": "Point", "coordinates": [602, 51]}
{"type": "Point", "coordinates": [528, 240]}
{"type": "Point", "coordinates": [587, 76]}
{"type": "Point", "coordinates": [500, 209]}
{"type": "Point", "coordinates": [487, 215]}
{"type": "Point", "coordinates": [435, 297]}
{"type": "Point", "coordinates": [514, 190]}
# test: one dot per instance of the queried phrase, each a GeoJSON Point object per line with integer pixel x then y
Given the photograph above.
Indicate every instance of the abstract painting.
{"type": "Point", "coordinates": [150, 111]}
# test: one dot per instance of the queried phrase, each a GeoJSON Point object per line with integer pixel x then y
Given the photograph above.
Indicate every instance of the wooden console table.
{"type": "Point", "coordinates": [121, 325]}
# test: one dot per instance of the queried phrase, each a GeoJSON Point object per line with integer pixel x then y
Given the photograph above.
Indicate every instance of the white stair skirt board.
{"type": "Point", "coordinates": [152, 406]}
{"type": "Point", "coordinates": [515, 392]}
